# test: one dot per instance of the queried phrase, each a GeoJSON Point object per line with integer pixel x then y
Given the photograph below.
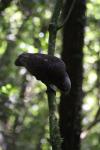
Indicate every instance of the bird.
{"type": "Point", "coordinates": [49, 69]}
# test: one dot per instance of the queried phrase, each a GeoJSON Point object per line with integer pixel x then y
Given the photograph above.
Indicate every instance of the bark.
{"type": "Point", "coordinates": [70, 105]}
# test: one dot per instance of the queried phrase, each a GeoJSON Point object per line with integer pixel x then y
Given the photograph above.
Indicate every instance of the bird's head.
{"type": "Point", "coordinates": [22, 59]}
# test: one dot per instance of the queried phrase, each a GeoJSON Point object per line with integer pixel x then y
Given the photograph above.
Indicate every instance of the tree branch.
{"type": "Point", "coordinates": [92, 124]}
{"type": "Point", "coordinates": [68, 15]}
{"type": "Point", "coordinates": [55, 138]}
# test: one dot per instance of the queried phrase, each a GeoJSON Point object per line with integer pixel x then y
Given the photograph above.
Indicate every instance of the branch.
{"type": "Point", "coordinates": [53, 27]}
{"type": "Point", "coordinates": [96, 120]}
{"type": "Point", "coordinates": [68, 15]}
{"type": "Point", "coordinates": [55, 138]}
{"type": "Point", "coordinates": [92, 124]}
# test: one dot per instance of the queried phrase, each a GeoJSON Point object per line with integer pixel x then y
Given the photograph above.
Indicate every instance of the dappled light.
{"type": "Point", "coordinates": [24, 111]}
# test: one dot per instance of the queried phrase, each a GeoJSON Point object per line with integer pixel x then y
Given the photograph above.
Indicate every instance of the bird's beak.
{"type": "Point", "coordinates": [18, 62]}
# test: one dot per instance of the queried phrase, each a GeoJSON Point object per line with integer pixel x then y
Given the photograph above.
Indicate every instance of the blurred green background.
{"type": "Point", "coordinates": [23, 101]}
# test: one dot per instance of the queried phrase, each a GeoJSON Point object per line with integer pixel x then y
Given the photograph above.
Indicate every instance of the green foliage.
{"type": "Point", "coordinates": [91, 86]}
{"type": "Point", "coordinates": [23, 102]}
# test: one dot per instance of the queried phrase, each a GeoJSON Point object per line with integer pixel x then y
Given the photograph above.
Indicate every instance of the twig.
{"type": "Point", "coordinates": [68, 15]}
{"type": "Point", "coordinates": [95, 121]}
{"type": "Point", "coordinates": [92, 124]}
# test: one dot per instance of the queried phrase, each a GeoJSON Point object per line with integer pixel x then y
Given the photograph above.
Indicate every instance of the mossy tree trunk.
{"type": "Point", "coordinates": [72, 54]}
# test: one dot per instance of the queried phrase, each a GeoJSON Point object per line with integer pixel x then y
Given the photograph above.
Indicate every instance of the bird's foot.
{"type": "Point", "coordinates": [51, 89]}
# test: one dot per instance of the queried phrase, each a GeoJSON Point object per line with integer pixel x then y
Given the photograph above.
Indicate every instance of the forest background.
{"type": "Point", "coordinates": [23, 100]}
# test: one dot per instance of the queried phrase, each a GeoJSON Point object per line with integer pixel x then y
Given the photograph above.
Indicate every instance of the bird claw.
{"type": "Point", "coordinates": [51, 89]}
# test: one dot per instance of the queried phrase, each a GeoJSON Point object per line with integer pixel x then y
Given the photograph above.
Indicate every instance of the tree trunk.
{"type": "Point", "coordinates": [70, 105]}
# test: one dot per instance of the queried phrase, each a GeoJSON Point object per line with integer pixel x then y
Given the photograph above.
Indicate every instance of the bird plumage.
{"type": "Point", "coordinates": [49, 69]}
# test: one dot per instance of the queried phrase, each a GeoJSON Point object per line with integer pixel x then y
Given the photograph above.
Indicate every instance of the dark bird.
{"type": "Point", "coordinates": [49, 69]}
